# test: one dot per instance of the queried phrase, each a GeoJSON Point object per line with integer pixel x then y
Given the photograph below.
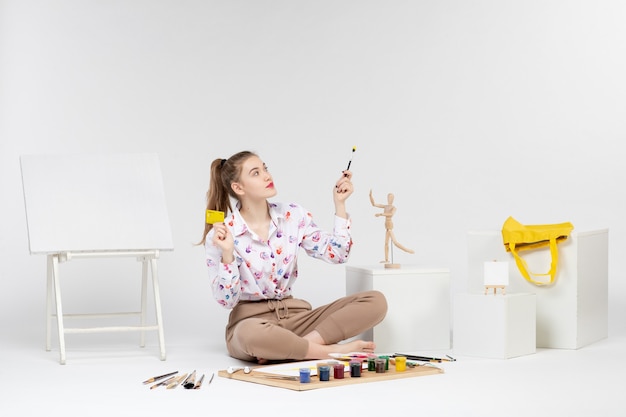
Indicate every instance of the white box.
{"type": "Point", "coordinates": [418, 314]}
{"type": "Point", "coordinates": [572, 312]}
{"type": "Point", "coordinates": [494, 326]}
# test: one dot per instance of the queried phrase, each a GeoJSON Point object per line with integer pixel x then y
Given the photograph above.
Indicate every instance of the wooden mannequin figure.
{"type": "Point", "coordinates": [388, 211]}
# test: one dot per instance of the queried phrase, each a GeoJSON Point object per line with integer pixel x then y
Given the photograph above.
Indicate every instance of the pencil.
{"type": "Point", "coordinates": [156, 378]}
{"type": "Point", "coordinates": [164, 382]}
{"type": "Point", "coordinates": [425, 358]}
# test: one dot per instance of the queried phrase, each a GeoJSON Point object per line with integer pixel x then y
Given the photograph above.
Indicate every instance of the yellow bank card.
{"type": "Point", "coordinates": [214, 216]}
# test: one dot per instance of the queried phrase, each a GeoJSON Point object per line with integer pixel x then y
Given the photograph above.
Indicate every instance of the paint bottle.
{"type": "Point", "coordinates": [355, 369]}
{"type": "Point", "coordinates": [386, 358]}
{"type": "Point", "coordinates": [380, 365]}
{"type": "Point", "coordinates": [371, 364]}
{"type": "Point", "coordinates": [338, 370]}
{"type": "Point", "coordinates": [305, 375]}
{"type": "Point", "coordinates": [319, 365]}
{"type": "Point", "coordinates": [400, 363]}
{"type": "Point", "coordinates": [324, 373]}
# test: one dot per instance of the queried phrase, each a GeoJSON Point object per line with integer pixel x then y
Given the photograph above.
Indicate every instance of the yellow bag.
{"type": "Point", "coordinates": [518, 237]}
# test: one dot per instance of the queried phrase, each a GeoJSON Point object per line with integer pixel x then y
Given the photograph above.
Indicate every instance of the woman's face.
{"type": "Point", "coordinates": [255, 180]}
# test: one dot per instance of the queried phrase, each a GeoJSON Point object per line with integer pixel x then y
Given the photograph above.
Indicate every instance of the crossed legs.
{"type": "Point", "coordinates": [294, 331]}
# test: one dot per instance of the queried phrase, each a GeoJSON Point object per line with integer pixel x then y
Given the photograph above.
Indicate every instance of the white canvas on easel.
{"type": "Point", "coordinates": [95, 202]}
{"type": "Point", "coordinates": [496, 273]}
{"type": "Point", "coordinates": [96, 205]}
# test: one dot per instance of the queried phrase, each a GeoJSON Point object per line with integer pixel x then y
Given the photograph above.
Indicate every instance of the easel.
{"type": "Point", "coordinates": [496, 276]}
{"type": "Point", "coordinates": [103, 206]}
{"type": "Point", "coordinates": [495, 289]}
{"type": "Point", "coordinates": [53, 296]}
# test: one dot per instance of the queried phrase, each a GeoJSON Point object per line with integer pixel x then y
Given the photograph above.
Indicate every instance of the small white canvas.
{"type": "Point", "coordinates": [496, 273]}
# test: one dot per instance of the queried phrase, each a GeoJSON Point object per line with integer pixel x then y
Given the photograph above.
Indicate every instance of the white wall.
{"type": "Point", "coordinates": [468, 111]}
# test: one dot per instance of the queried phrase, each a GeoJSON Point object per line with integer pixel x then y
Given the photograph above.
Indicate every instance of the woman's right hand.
{"type": "Point", "coordinates": [223, 239]}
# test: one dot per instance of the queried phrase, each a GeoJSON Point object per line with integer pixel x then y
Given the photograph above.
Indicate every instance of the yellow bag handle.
{"type": "Point", "coordinates": [518, 237]}
{"type": "Point", "coordinates": [523, 267]}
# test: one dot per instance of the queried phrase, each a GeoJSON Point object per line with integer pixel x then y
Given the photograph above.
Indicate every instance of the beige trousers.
{"type": "Point", "coordinates": [273, 329]}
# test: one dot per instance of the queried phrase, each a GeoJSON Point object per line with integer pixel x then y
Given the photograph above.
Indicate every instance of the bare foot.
{"type": "Point", "coordinates": [356, 346]}
{"type": "Point", "coordinates": [320, 351]}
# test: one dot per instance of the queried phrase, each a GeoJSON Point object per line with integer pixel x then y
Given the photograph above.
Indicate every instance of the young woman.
{"type": "Point", "coordinates": [252, 262]}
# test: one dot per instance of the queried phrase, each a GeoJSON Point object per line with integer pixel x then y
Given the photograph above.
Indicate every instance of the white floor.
{"type": "Point", "coordinates": [102, 378]}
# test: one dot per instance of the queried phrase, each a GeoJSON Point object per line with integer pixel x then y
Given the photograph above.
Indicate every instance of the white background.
{"type": "Point", "coordinates": [468, 111]}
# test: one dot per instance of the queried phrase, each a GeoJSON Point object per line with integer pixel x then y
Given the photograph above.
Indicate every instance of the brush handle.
{"type": "Point", "coordinates": [164, 382]}
{"type": "Point", "coordinates": [199, 383]}
{"type": "Point", "coordinates": [177, 381]}
{"type": "Point", "coordinates": [190, 381]}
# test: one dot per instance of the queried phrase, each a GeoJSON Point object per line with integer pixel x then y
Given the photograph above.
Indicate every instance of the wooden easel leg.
{"type": "Point", "coordinates": [495, 289]}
